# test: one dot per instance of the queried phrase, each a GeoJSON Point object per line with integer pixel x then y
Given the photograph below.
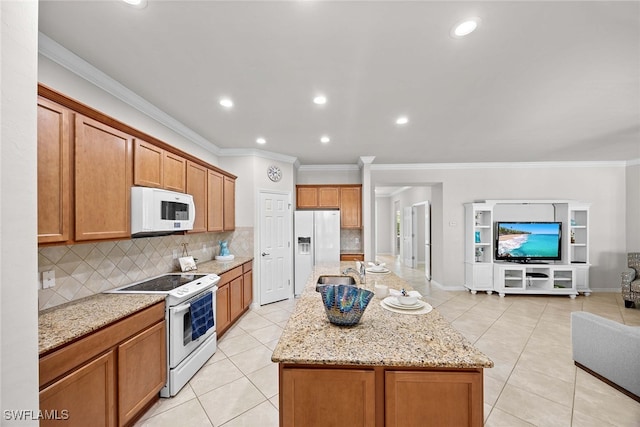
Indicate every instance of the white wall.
{"type": "Point", "coordinates": [329, 174]}
{"type": "Point", "coordinates": [385, 220]}
{"type": "Point", "coordinates": [18, 211]}
{"type": "Point", "coordinates": [633, 208]}
{"type": "Point", "coordinates": [601, 185]}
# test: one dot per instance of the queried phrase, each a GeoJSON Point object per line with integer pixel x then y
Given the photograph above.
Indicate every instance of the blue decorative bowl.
{"type": "Point", "coordinates": [344, 304]}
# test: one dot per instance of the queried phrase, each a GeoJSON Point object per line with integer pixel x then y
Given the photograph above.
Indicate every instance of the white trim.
{"type": "Point", "coordinates": [316, 168]}
{"type": "Point", "coordinates": [64, 57]}
{"type": "Point", "coordinates": [634, 162]}
{"type": "Point", "coordinates": [498, 165]}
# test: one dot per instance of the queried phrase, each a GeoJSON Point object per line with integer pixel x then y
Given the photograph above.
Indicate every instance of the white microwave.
{"type": "Point", "coordinates": [156, 212]}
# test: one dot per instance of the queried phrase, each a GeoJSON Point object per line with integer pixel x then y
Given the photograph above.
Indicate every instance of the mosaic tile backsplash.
{"type": "Point", "coordinates": [85, 269]}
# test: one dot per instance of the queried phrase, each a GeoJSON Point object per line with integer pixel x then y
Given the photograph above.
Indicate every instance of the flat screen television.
{"type": "Point", "coordinates": [528, 241]}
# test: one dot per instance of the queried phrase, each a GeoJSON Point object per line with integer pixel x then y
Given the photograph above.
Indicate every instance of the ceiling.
{"type": "Point", "coordinates": [537, 81]}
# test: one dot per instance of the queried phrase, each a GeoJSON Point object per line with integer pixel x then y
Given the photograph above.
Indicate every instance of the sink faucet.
{"type": "Point", "coordinates": [362, 273]}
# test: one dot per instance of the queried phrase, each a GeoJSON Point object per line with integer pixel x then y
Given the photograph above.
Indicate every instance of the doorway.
{"type": "Point", "coordinates": [274, 246]}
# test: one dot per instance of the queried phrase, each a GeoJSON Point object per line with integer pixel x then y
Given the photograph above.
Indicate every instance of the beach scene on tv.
{"type": "Point", "coordinates": [528, 240]}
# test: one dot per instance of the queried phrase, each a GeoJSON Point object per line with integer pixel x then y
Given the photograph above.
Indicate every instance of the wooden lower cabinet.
{"type": "Point", "coordinates": [85, 397]}
{"type": "Point", "coordinates": [327, 397]}
{"type": "Point", "coordinates": [142, 371]}
{"type": "Point", "coordinates": [351, 257]}
{"type": "Point", "coordinates": [109, 377]}
{"type": "Point", "coordinates": [235, 293]}
{"type": "Point", "coordinates": [378, 396]}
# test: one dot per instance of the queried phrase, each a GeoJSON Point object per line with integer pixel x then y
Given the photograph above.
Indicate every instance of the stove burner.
{"type": "Point", "coordinates": [164, 283]}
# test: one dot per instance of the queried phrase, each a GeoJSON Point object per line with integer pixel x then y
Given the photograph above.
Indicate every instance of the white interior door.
{"type": "Point", "coordinates": [275, 249]}
{"type": "Point", "coordinates": [427, 241]}
{"type": "Point", "coordinates": [407, 246]}
{"type": "Point", "coordinates": [416, 247]}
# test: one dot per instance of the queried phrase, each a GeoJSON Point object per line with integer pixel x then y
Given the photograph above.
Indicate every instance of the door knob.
{"type": "Point", "coordinates": [264, 254]}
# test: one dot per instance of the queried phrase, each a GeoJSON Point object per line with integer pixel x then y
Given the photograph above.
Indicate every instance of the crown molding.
{"type": "Point", "coordinates": [244, 152]}
{"type": "Point", "coordinates": [498, 165]}
{"type": "Point", "coordinates": [54, 51]}
{"type": "Point", "coordinates": [321, 168]}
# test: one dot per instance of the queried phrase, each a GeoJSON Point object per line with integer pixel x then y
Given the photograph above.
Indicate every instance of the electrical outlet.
{"type": "Point", "coordinates": [175, 254]}
{"type": "Point", "coordinates": [48, 279]}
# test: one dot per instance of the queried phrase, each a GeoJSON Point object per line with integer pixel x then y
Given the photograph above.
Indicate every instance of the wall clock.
{"type": "Point", "coordinates": [274, 173]}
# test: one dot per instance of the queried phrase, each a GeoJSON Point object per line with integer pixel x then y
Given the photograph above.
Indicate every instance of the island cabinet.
{"type": "Point", "coordinates": [379, 396]}
{"type": "Point", "coordinates": [54, 172]}
{"type": "Point", "coordinates": [103, 169]}
{"type": "Point", "coordinates": [109, 377]}
{"type": "Point", "coordinates": [235, 293]}
{"type": "Point", "coordinates": [155, 167]}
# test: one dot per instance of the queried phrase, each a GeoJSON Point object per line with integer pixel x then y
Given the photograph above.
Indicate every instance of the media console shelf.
{"type": "Point", "coordinates": [534, 279]}
{"type": "Point", "coordinates": [569, 276]}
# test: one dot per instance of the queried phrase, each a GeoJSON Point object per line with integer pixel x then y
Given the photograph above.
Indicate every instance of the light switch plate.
{"type": "Point", "coordinates": [48, 279]}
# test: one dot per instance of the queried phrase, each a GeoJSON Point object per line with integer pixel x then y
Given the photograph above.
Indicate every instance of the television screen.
{"type": "Point", "coordinates": [528, 241]}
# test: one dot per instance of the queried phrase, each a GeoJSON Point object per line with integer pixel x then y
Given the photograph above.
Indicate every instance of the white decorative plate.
{"type": "Point", "coordinates": [393, 302]}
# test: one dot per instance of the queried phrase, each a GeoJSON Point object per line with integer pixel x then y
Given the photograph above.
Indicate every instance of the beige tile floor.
{"type": "Point", "coordinates": [534, 381]}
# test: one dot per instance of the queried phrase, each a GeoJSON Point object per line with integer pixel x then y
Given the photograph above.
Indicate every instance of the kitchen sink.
{"type": "Point", "coordinates": [335, 280]}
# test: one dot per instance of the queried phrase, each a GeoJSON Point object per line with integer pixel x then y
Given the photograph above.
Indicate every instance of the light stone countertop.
{"type": "Point", "coordinates": [68, 322]}
{"type": "Point", "coordinates": [381, 338]}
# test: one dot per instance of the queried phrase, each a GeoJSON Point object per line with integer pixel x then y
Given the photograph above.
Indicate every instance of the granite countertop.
{"type": "Point", "coordinates": [219, 267]}
{"type": "Point", "coordinates": [67, 322]}
{"type": "Point", "coordinates": [381, 338]}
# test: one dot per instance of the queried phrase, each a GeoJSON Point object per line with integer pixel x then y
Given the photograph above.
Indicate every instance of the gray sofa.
{"type": "Point", "coordinates": [607, 349]}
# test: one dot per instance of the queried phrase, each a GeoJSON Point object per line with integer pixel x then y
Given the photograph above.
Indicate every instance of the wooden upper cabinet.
{"type": "Point", "coordinates": [54, 173]}
{"type": "Point", "coordinates": [351, 207]}
{"type": "Point", "coordinates": [175, 175]}
{"type": "Point", "coordinates": [197, 176]}
{"type": "Point", "coordinates": [215, 201]}
{"type": "Point", "coordinates": [148, 165]}
{"type": "Point", "coordinates": [306, 197]}
{"type": "Point", "coordinates": [229, 203]}
{"type": "Point", "coordinates": [103, 179]}
{"type": "Point", "coordinates": [329, 197]}
{"type": "Point", "coordinates": [155, 167]}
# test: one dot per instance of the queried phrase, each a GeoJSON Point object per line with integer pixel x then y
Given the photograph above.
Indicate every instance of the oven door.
{"type": "Point", "coordinates": [180, 339]}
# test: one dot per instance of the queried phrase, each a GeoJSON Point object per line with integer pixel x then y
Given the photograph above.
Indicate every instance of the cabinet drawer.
{"type": "Point", "coordinates": [352, 257]}
{"type": "Point", "coordinates": [247, 266]}
{"type": "Point", "coordinates": [228, 276]}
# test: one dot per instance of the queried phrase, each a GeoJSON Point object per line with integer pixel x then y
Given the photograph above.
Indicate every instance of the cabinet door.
{"type": "Point", "coordinates": [306, 197]}
{"type": "Point", "coordinates": [235, 297]}
{"type": "Point", "coordinates": [308, 397]}
{"type": "Point", "coordinates": [350, 207]}
{"type": "Point", "coordinates": [86, 396]}
{"type": "Point", "coordinates": [147, 165]}
{"type": "Point", "coordinates": [215, 201]}
{"type": "Point", "coordinates": [174, 172]}
{"type": "Point", "coordinates": [223, 315]}
{"type": "Point", "coordinates": [54, 141]}
{"type": "Point", "coordinates": [229, 204]}
{"type": "Point", "coordinates": [433, 399]}
{"type": "Point", "coordinates": [142, 371]}
{"type": "Point", "coordinates": [197, 187]}
{"type": "Point", "coordinates": [102, 181]}
{"type": "Point", "coordinates": [247, 288]}
{"type": "Point", "coordinates": [329, 197]}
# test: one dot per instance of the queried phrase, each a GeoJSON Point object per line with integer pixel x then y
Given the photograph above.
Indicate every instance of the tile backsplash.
{"type": "Point", "coordinates": [350, 239]}
{"type": "Point", "coordinates": [86, 269]}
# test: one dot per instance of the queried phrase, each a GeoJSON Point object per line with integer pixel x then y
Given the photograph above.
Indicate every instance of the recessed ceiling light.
{"type": "Point", "coordinates": [320, 100]}
{"type": "Point", "coordinates": [402, 120]}
{"type": "Point", "coordinates": [324, 139]}
{"type": "Point", "coordinates": [136, 3]}
{"type": "Point", "coordinates": [226, 102]}
{"type": "Point", "coordinates": [465, 27]}
{"type": "Point", "coordinates": [261, 141]}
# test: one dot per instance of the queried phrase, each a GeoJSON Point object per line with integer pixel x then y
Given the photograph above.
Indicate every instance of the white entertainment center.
{"type": "Point", "coordinates": [567, 276]}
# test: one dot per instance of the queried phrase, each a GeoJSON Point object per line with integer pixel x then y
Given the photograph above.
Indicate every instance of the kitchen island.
{"type": "Point", "coordinates": [391, 369]}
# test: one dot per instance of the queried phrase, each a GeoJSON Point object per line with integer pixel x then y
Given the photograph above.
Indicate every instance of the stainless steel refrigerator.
{"type": "Point", "coordinates": [317, 240]}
